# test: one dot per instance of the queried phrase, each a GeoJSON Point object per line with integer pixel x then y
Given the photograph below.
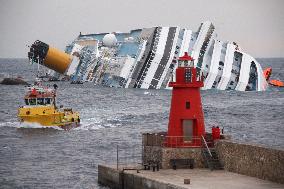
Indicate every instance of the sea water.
{"type": "Point", "coordinates": [38, 157]}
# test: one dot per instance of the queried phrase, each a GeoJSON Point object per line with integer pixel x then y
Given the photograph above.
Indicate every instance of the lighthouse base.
{"type": "Point", "coordinates": [164, 156]}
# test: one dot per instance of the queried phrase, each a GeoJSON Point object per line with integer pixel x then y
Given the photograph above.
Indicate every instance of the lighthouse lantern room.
{"type": "Point", "coordinates": [186, 120]}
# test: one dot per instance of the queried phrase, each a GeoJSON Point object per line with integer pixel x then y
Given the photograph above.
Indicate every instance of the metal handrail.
{"type": "Point", "coordinates": [182, 144]}
{"type": "Point", "coordinates": [204, 141]}
{"type": "Point", "coordinates": [161, 139]}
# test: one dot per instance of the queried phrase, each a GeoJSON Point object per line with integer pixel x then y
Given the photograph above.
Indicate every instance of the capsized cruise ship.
{"type": "Point", "coordinates": [147, 58]}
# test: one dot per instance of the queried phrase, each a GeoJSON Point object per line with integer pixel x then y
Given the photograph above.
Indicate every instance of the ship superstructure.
{"type": "Point", "coordinates": [146, 58]}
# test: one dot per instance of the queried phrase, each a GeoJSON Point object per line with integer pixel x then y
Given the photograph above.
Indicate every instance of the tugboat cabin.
{"type": "Point", "coordinates": [38, 101]}
{"type": "Point", "coordinates": [40, 96]}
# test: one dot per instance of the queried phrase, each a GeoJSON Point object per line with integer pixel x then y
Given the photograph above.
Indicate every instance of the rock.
{"type": "Point", "coordinates": [13, 81]}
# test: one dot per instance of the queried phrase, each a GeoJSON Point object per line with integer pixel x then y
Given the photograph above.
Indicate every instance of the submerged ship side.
{"type": "Point", "coordinates": [146, 58]}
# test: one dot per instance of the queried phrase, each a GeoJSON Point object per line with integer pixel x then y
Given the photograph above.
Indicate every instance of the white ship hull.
{"type": "Point", "coordinates": [146, 58]}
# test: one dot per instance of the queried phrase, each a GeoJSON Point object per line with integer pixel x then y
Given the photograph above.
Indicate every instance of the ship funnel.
{"type": "Point", "coordinates": [50, 57]}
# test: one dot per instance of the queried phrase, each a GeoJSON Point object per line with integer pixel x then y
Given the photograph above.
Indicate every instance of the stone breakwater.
{"type": "Point", "coordinates": [119, 179]}
{"type": "Point", "coordinates": [241, 162]}
{"type": "Point", "coordinates": [178, 179]}
{"type": "Point", "coordinates": [242, 158]}
{"type": "Point", "coordinates": [252, 160]}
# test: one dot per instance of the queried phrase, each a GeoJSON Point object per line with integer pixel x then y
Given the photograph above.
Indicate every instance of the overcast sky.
{"type": "Point", "coordinates": [257, 25]}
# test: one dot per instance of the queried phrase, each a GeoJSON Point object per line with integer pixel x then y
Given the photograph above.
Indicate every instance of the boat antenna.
{"type": "Point", "coordinates": [55, 87]}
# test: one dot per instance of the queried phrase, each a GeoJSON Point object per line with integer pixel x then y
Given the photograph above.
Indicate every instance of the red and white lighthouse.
{"type": "Point", "coordinates": [186, 120]}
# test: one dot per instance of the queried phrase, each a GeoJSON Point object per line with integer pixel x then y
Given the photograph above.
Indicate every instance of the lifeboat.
{"type": "Point", "coordinates": [267, 73]}
{"type": "Point", "coordinates": [40, 107]}
{"type": "Point", "coordinates": [276, 83]}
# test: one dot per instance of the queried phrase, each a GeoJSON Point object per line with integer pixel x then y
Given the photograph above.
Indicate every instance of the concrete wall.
{"type": "Point", "coordinates": [252, 160]}
{"type": "Point", "coordinates": [117, 179]}
{"type": "Point", "coordinates": [164, 155]}
{"type": "Point", "coordinates": [132, 181]}
{"type": "Point", "coordinates": [109, 177]}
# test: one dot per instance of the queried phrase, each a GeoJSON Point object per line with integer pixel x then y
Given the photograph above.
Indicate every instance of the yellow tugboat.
{"type": "Point", "coordinates": [40, 107]}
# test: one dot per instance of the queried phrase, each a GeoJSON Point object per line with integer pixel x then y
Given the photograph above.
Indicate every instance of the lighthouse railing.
{"type": "Point", "coordinates": [182, 141]}
{"type": "Point", "coordinates": [162, 140]}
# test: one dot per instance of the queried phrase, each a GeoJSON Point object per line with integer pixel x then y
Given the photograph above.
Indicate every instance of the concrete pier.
{"type": "Point", "coordinates": [245, 166]}
{"type": "Point", "coordinates": [174, 179]}
{"type": "Point", "coordinates": [242, 158]}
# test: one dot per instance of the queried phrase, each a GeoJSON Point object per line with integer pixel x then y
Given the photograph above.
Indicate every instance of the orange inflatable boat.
{"type": "Point", "coordinates": [276, 83]}
{"type": "Point", "coordinates": [267, 73]}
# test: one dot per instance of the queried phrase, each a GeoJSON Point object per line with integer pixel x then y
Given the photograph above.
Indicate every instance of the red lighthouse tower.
{"type": "Point", "coordinates": [186, 120]}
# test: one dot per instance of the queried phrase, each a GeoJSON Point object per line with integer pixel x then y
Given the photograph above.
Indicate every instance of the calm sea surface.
{"type": "Point", "coordinates": [52, 158]}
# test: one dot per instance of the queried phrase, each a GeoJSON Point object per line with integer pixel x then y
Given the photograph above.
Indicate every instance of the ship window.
{"type": "Point", "coordinates": [237, 79]}
{"type": "Point", "coordinates": [187, 105]}
{"type": "Point", "coordinates": [32, 101]}
{"type": "Point", "coordinates": [40, 101]}
{"type": "Point", "coordinates": [27, 101]}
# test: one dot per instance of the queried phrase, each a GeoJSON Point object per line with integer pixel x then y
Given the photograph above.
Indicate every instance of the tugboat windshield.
{"type": "Point", "coordinates": [48, 101]}
{"type": "Point", "coordinates": [40, 101]}
{"type": "Point", "coordinates": [32, 101]}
